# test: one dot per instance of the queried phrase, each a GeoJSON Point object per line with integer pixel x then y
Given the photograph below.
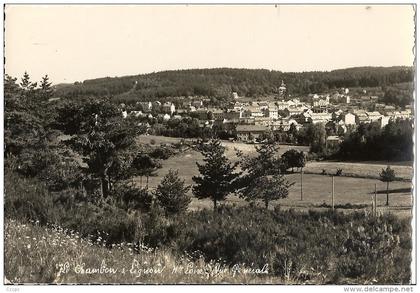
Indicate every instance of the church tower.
{"type": "Point", "coordinates": [282, 90]}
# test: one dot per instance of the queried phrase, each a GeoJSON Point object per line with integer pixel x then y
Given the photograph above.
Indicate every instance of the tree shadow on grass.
{"type": "Point", "coordinates": [399, 190]}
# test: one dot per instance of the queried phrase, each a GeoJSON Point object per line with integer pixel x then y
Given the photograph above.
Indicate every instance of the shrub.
{"type": "Point", "coordinates": [31, 162]}
{"type": "Point", "coordinates": [370, 250]}
{"type": "Point", "coordinates": [61, 175]}
{"type": "Point", "coordinates": [157, 231]}
{"type": "Point", "coordinates": [162, 153]}
{"type": "Point", "coordinates": [27, 199]}
{"type": "Point", "coordinates": [339, 172]}
{"type": "Point", "coordinates": [300, 245]}
{"type": "Point", "coordinates": [112, 224]}
{"type": "Point", "coordinates": [129, 197]}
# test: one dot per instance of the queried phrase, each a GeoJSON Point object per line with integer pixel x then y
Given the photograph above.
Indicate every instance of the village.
{"type": "Point", "coordinates": [340, 112]}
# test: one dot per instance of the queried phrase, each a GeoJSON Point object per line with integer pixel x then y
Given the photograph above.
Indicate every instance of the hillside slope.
{"type": "Point", "coordinates": [221, 82]}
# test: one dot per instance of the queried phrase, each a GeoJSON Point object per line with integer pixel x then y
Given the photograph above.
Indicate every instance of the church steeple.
{"type": "Point", "coordinates": [282, 89]}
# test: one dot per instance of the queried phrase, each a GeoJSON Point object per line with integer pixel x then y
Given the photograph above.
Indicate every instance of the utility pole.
{"type": "Point", "coordinates": [301, 183]}
{"type": "Point", "coordinates": [375, 202]}
{"type": "Point", "coordinates": [332, 192]}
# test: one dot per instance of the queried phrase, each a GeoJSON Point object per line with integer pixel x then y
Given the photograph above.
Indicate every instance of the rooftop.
{"type": "Point", "coordinates": [249, 128]}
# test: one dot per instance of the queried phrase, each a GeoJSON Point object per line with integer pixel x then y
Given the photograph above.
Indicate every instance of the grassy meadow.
{"type": "Point", "coordinates": [355, 187]}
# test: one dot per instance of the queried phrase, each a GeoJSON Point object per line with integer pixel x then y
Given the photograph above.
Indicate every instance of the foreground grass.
{"type": "Point", "coordinates": [290, 247]}
{"type": "Point", "coordinates": [35, 254]}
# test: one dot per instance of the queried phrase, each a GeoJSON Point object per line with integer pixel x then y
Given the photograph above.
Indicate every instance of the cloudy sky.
{"type": "Point", "coordinates": [74, 43]}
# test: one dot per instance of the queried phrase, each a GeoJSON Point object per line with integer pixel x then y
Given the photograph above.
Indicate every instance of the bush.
{"type": "Point", "coordinates": [162, 153]}
{"type": "Point", "coordinates": [27, 199]}
{"type": "Point", "coordinates": [61, 175]}
{"type": "Point", "coordinates": [157, 231]}
{"type": "Point", "coordinates": [299, 245]}
{"type": "Point", "coordinates": [110, 223]}
{"type": "Point", "coordinates": [129, 197]}
{"type": "Point", "coordinates": [30, 162]}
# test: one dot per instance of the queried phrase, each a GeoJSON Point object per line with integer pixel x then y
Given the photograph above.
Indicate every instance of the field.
{"type": "Point", "coordinates": [316, 187]}
{"type": "Point", "coordinates": [404, 170]}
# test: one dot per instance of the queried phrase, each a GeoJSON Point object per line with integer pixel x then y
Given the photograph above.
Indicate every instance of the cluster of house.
{"type": "Point", "coordinates": [254, 118]}
{"type": "Point", "coordinates": [144, 109]}
{"type": "Point", "coordinates": [251, 119]}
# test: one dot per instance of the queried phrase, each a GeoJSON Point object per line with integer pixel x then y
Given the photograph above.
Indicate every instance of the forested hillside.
{"type": "Point", "coordinates": [221, 82]}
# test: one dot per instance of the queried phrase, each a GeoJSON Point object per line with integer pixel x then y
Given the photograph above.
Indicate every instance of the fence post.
{"type": "Point", "coordinates": [332, 192]}
{"type": "Point", "coordinates": [373, 205]}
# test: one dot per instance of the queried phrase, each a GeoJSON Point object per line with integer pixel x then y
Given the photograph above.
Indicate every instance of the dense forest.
{"type": "Point", "coordinates": [221, 82]}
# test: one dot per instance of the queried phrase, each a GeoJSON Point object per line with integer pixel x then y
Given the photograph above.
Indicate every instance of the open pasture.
{"type": "Point", "coordinates": [316, 188]}
{"type": "Point", "coordinates": [369, 170]}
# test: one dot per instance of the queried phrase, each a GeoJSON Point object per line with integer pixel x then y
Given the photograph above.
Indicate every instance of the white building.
{"type": "Point", "coordinates": [347, 99]}
{"type": "Point", "coordinates": [272, 112]}
{"type": "Point", "coordinates": [320, 117]}
{"type": "Point", "coordinates": [282, 105]}
{"type": "Point", "coordinates": [253, 111]}
{"type": "Point", "coordinates": [349, 119]}
{"type": "Point", "coordinates": [383, 121]}
{"type": "Point", "coordinates": [374, 116]}
{"type": "Point", "coordinates": [166, 117]}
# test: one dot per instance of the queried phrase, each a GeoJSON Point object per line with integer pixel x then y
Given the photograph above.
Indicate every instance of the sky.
{"type": "Point", "coordinates": [77, 42]}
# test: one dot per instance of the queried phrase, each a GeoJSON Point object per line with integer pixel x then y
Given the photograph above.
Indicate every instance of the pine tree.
{"type": "Point", "coordinates": [263, 177]}
{"type": "Point", "coordinates": [217, 177]}
{"type": "Point", "coordinates": [172, 195]}
{"type": "Point", "coordinates": [102, 136]}
{"type": "Point", "coordinates": [26, 84]}
{"type": "Point", "coordinates": [10, 85]}
{"type": "Point", "coordinates": [45, 88]}
{"type": "Point", "coordinates": [265, 163]}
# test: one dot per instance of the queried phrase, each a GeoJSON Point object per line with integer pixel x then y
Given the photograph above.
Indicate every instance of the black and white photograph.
{"type": "Point", "coordinates": [212, 144]}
